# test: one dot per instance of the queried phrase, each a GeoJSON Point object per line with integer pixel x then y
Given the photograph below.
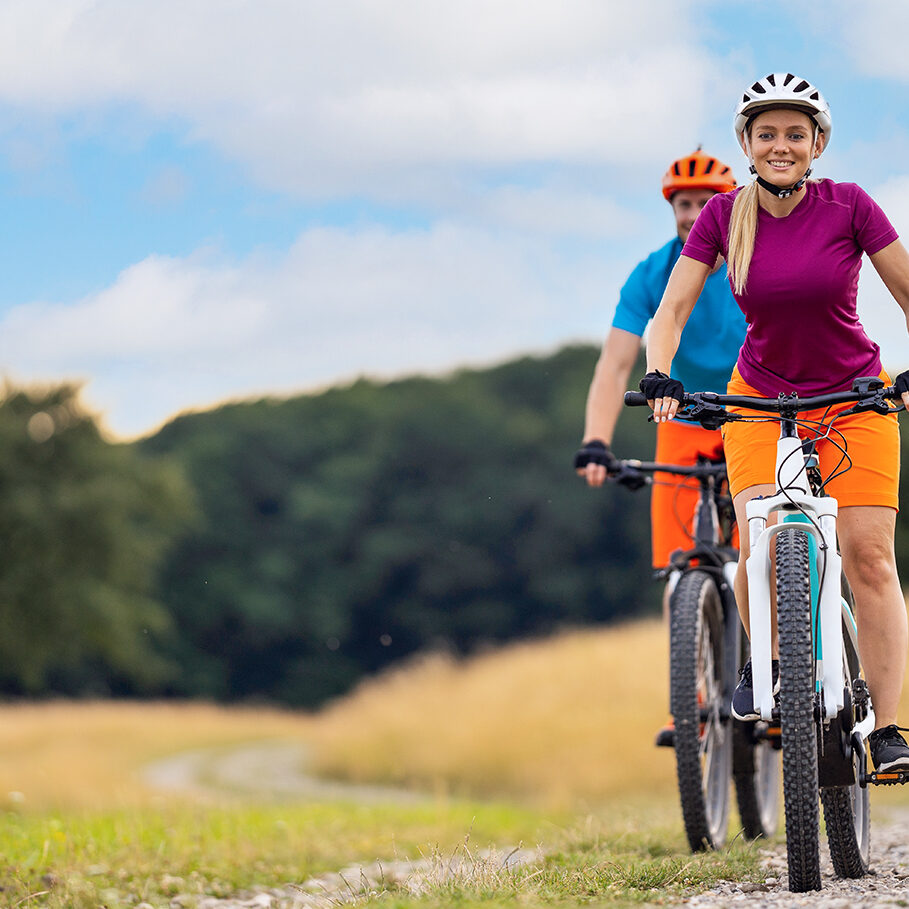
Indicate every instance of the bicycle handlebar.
{"type": "Point", "coordinates": [868, 394]}
{"type": "Point", "coordinates": [712, 468]}
{"type": "Point", "coordinates": [634, 474]}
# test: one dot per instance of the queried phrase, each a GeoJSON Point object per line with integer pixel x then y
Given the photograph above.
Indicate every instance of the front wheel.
{"type": "Point", "coordinates": [799, 730]}
{"type": "Point", "coordinates": [703, 734]}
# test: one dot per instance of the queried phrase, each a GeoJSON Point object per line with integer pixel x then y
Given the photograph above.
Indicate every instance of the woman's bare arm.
{"type": "Point", "coordinates": [685, 285]}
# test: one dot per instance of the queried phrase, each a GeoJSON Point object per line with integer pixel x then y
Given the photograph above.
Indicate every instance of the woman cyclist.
{"type": "Point", "coordinates": [793, 248]}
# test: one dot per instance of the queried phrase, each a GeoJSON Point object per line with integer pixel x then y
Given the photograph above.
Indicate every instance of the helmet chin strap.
{"type": "Point", "coordinates": [781, 192]}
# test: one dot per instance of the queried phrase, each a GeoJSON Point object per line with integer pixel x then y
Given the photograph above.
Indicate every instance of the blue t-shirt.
{"type": "Point", "coordinates": [715, 330]}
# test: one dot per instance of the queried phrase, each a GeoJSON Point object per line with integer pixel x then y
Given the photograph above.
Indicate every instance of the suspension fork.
{"type": "Point", "coordinates": [793, 498]}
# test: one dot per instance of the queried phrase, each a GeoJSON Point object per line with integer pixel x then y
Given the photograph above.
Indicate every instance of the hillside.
{"type": "Point", "coordinates": [342, 532]}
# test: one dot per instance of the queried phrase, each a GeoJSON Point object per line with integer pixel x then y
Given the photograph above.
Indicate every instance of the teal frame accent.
{"type": "Point", "coordinates": [815, 584]}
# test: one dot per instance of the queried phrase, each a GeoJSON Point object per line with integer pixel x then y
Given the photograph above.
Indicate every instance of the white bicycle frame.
{"type": "Point", "coordinates": [793, 496]}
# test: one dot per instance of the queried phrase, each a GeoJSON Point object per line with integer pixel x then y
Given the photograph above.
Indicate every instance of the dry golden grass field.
{"type": "Point", "coordinates": [563, 719]}
{"type": "Point", "coordinates": [71, 755]}
{"type": "Point", "coordinates": [565, 722]}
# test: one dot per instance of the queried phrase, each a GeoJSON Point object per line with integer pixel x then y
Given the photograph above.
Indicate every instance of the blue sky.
{"type": "Point", "coordinates": [217, 200]}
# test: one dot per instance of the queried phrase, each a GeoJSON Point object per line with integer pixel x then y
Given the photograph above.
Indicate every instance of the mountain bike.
{"type": "Point", "coordinates": [824, 708]}
{"type": "Point", "coordinates": [705, 654]}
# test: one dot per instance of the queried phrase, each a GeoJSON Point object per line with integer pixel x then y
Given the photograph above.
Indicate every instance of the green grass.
{"type": "Point", "coordinates": [152, 854]}
{"type": "Point", "coordinates": [592, 866]}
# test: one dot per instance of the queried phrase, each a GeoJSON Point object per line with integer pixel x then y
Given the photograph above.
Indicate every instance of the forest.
{"type": "Point", "coordinates": [279, 550]}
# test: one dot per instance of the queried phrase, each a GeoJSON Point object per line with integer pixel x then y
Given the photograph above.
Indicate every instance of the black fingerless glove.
{"type": "Point", "coordinates": [902, 382]}
{"type": "Point", "coordinates": [596, 451]}
{"type": "Point", "coordinates": [658, 385]}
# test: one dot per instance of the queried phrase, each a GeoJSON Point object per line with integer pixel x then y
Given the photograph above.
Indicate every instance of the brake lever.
{"type": "Point", "coordinates": [709, 414]}
{"type": "Point", "coordinates": [875, 396]}
{"type": "Point", "coordinates": [630, 478]}
{"type": "Point", "coordinates": [877, 403]}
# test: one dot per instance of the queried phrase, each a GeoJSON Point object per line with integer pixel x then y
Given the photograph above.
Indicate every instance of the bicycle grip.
{"type": "Point", "coordinates": [635, 399]}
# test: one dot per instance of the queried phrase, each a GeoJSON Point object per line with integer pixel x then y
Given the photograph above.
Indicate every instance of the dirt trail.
{"type": "Point", "coordinates": [278, 770]}
{"type": "Point", "coordinates": [269, 770]}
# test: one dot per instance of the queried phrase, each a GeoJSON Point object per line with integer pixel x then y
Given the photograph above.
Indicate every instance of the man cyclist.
{"type": "Point", "coordinates": [707, 353]}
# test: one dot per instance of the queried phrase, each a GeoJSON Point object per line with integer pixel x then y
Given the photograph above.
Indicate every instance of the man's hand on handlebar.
{"type": "Point", "coordinates": [594, 460]}
{"type": "Point", "coordinates": [663, 394]}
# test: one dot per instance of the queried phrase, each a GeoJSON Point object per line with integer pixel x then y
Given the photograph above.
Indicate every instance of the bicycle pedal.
{"type": "Point", "coordinates": [769, 732]}
{"type": "Point", "coordinates": [887, 778]}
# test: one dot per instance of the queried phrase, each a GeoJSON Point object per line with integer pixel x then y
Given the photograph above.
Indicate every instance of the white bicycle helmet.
{"type": "Point", "coordinates": [783, 90]}
{"type": "Point", "coordinates": [787, 91]}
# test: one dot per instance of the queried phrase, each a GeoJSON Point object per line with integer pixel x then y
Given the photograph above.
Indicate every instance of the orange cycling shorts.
{"type": "Point", "coordinates": [674, 499]}
{"type": "Point", "coordinates": [872, 441]}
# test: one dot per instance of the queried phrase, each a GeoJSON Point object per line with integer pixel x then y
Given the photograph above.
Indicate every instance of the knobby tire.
{"type": "Point", "coordinates": [703, 739]}
{"type": "Point", "coordinates": [797, 699]}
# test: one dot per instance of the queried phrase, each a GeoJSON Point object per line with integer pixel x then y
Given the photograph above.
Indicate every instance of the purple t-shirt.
{"type": "Point", "coordinates": [804, 334]}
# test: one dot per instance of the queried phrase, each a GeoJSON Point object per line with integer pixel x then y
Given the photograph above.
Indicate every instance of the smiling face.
{"type": "Point", "coordinates": [782, 145]}
{"type": "Point", "coordinates": [686, 206]}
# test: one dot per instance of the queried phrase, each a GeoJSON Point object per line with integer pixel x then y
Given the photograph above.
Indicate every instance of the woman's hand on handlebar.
{"type": "Point", "coordinates": [664, 394]}
{"type": "Point", "coordinates": [901, 384]}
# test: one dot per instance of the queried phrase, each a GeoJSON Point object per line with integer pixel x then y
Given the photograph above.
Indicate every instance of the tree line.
{"type": "Point", "coordinates": [282, 549]}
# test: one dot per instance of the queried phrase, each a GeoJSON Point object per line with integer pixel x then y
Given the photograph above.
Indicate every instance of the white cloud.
{"type": "Point", "coordinates": [172, 334]}
{"type": "Point", "coordinates": [366, 96]}
{"type": "Point", "coordinates": [873, 34]}
{"type": "Point", "coordinates": [452, 105]}
{"type": "Point", "coordinates": [555, 211]}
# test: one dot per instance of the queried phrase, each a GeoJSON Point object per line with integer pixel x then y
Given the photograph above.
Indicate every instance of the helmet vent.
{"type": "Point", "coordinates": [709, 166]}
{"type": "Point", "coordinates": [691, 166]}
{"type": "Point", "coordinates": [771, 80]}
{"type": "Point", "coordinates": [802, 86]}
{"type": "Point", "coordinates": [788, 79]}
{"type": "Point", "coordinates": [815, 96]}
{"type": "Point", "coordinates": [676, 169]}
{"type": "Point", "coordinates": [757, 87]}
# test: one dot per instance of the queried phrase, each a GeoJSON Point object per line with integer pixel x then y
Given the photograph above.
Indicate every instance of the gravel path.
{"type": "Point", "coordinates": [277, 769]}
{"type": "Point", "coordinates": [358, 883]}
{"type": "Point", "coordinates": [887, 885]}
{"type": "Point", "coordinates": [270, 770]}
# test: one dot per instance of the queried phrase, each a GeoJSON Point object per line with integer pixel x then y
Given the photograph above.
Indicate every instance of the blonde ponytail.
{"type": "Point", "coordinates": [742, 231]}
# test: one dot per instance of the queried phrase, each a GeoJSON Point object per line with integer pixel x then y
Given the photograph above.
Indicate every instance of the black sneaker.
{"type": "Point", "coordinates": [889, 750]}
{"type": "Point", "coordinates": [665, 738]}
{"type": "Point", "coordinates": [743, 696]}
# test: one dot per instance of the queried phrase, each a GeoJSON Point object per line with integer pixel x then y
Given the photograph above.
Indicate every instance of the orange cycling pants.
{"type": "Point", "coordinates": [674, 499]}
{"type": "Point", "coordinates": [871, 440]}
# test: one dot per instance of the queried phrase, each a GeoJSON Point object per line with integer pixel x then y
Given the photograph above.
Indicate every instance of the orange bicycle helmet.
{"type": "Point", "coordinates": [697, 171]}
